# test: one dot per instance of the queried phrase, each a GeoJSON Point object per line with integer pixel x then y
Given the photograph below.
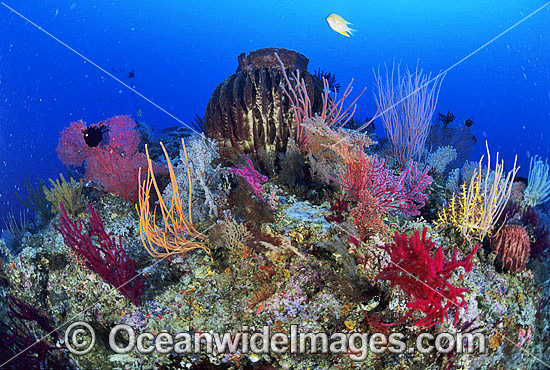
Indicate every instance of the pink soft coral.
{"type": "Point", "coordinates": [372, 177]}
{"type": "Point", "coordinates": [253, 177]}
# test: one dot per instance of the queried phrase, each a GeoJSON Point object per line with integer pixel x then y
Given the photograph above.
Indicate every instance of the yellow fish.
{"type": "Point", "coordinates": [339, 25]}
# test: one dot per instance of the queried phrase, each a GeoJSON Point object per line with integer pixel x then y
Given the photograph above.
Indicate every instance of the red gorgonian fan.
{"type": "Point", "coordinates": [109, 150]}
{"type": "Point", "coordinates": [424, 279]}
{"type": "Point", "coordinates": [102, 254]}
{"type": "Point", "coordinates": [372, 177]}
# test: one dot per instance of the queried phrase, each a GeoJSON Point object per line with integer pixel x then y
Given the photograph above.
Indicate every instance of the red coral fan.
{"type": "Point", "coordinates": [374, 188]}
{"type": "Point", "coordinates": [111, 157]}
{"type": "Point", "coordinates": [512, 245]}
{"type": "Point", "coordinates": [106, 258]}
{"type": "Point", "coordinates": [373, 177]}
{"type": "Point", "coordinates": [414, 183]}
{"type": "Point", "coordinates": [370, 176]}
{"type": "Point", "coordinates": [118, 174]}
{"type": "Point", "coordinates": [424, 278]}
{"type": "Point", "coordinates": [367, 217]}
{"type": "Point", "coordinates": [72, 149]}
{"type": "Point", "coordinates": [123, 135]}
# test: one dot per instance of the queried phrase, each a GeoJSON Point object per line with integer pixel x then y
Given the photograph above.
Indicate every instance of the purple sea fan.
{"type": "Point", "coordinates": [414, 183]}
{"type": "Point", "coordinates": [107, 259]}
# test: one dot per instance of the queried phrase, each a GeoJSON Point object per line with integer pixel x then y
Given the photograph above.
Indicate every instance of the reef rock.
{"type": "Point", "coordinates": [250, 110]}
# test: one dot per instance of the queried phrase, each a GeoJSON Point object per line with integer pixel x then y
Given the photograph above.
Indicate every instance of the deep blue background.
{"type": "Point", "coordinates": [180, 50]}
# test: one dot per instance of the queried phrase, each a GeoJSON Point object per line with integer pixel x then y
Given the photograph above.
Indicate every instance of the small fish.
{"type": "Point", "coordinates": [339, 25]}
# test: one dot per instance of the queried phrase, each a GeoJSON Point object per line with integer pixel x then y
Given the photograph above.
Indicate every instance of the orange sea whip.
{"type": "Point", "coordinates": [178, 234]}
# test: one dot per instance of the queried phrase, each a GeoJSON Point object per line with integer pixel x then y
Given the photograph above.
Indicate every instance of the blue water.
{"type": "Point", "coordinates": [181, 50]}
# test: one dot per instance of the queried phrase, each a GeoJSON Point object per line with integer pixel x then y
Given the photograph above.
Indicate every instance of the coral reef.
{"type": "Point", "coordinates": [286, 219]}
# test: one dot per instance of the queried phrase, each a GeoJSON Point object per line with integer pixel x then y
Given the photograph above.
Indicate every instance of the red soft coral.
{"type": "Point", "coordinates": [424, 279]}
{"type": "Point", "coordinates": [252, 177]}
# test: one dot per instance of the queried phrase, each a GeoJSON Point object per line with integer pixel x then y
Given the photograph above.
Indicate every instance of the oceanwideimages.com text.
{"type": "Point", "coordinates": [123, 339]}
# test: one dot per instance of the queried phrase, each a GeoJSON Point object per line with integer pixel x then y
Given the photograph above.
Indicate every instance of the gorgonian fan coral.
{"type": "Point", "coordinates": [372, 177]}
{"type": "Point", "coordinates": [102, 254]}
{"type": "Point", "coordinates": [112, 158]}
{"type": "Point", "coordinates": [425, 278]}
